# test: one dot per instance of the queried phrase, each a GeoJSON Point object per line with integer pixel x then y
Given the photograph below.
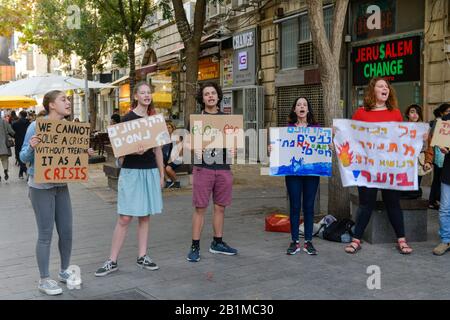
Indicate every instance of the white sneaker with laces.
{"type": "Point", "coordinates": [49, 287]}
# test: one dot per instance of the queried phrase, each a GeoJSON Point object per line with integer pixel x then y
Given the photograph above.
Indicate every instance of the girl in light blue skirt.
{"type": "Point", "coordinates": [139, 189]}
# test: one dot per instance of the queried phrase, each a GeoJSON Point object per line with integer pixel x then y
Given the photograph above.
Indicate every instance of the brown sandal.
{"type": "Point", "coordinates": [353, 247]}
{"type": "Point", "coordinates": [403, 247]}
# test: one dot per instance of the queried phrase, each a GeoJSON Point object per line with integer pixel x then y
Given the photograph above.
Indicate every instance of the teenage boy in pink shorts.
{"type": "Point", "coordinates": [211, 175]}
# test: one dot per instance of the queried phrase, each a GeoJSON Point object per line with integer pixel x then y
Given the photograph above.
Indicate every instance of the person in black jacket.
{"type": "Point", "coordinates": [20, 127]}
{"type": "Point", "coordinates": [444, 210]}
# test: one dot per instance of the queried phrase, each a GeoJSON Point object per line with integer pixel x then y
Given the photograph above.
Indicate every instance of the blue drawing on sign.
{"type": "Point", "coordinates": [300, 168]}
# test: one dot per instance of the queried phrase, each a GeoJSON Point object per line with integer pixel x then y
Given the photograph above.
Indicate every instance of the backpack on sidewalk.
{"type": "Point", "coordinates": [339, 231]}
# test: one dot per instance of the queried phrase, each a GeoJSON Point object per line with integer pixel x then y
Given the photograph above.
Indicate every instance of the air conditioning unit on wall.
{"type": "Point", "coordinates": [239, 4]}
{"type": "Point", "coordinates": [215, 10]}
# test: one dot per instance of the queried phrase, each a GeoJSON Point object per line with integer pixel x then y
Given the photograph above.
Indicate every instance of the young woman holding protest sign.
{"type": "Point", "coordinates": [301, 115]}
{"type": "Point", "coordinates": [139, 189]}
{"type": "Point", "coordinates": [50, 201]}
{"type": "Point", "coordinates": [380, 105]}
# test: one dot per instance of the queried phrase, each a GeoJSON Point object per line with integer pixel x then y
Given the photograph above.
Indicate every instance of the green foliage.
{"type": "Point", "coordinates": [120, 58]}
{"type": "Point", "coordinates": [45, 28]}
{"type": "Point", "coordinates": [13, 15]}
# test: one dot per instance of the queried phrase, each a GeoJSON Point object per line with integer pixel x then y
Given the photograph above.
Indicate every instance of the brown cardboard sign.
{"type": "Point", "coordinates": [217, 131]}
{"type": "Point", "coordinates": [441, 135]}
{"type": "Point", "coordinates": [127, 137]}
{"type": "Point", "coordinates": [62, 155]}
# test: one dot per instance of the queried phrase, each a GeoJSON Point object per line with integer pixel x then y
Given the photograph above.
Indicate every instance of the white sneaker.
{"type": "Point", "coordinates": [49, 287]}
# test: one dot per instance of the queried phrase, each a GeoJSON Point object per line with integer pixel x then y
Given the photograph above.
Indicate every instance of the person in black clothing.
{"type": "Point", "coordinates": [444, 209]}
{"type": "Point", "coordinates": [20, 126]}
{"type": "Point", "coordinates": [435, 191]}
{"type": "Point", "coordinates": [115, 119]}
{"type": "Point", "coordinates": [169, 165]}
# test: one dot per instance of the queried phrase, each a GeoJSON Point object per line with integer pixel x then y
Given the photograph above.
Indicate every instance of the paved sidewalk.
{"type": "Point", "coordinates": [262, 270]}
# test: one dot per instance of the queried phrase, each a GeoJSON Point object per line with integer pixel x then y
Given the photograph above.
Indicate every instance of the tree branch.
{"type": "Point", "coordinates": [319, 38]}
{"type": "Point", "coordinates": [199, 18]}
{"type": "Point", "coordinates": [180, 18]}
{"type": "Point", "coordinates": [340, 11]}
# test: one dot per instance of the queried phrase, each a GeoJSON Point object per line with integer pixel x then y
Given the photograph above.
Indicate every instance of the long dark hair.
{"type": "Point", "coordinates": [418, 111]}
{"type": "Point", "coordinates": [292, 117]}
{"type": "Point", "coordinates": [199, 96]}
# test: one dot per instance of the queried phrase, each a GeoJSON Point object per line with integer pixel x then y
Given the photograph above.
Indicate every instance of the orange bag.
{"type": "Point", "coordinates": [278, 223]}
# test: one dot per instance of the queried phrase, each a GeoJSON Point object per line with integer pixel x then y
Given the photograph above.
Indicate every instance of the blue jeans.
{"type": "Point", "coordinates": [444, 213]}
{"type": "Point", "coordinates": [296, 186]}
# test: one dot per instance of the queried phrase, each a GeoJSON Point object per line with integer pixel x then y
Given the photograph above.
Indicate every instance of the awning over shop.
{"type": "Point", "coordinates": [15, 102]}
{"type": "Point", "coordinates": [162, 99]}
{"type": "Point", "coordinates": [144, 70]}
{"type": "Point", "coordinates": [118, 81]}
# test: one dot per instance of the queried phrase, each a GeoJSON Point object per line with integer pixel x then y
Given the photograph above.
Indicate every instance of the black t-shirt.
{"type": "Point", "coordinates": [135, 161]}
{"type": "Point", "coordinates": [212, 156]}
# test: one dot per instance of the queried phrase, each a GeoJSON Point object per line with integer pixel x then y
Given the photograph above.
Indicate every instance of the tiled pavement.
{"type": "Point", "coordinates": [262, 270]}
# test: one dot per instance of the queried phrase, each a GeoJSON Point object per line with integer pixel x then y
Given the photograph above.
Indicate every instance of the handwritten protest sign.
{"type": "Point", "coordinates": [300, 151]}
{"type": "Point", "coordinates": [61, 156]}
{"type": "Point", "coordinates": [441, 135]}
{"type": "Point", "coordinates": [127, 137]}
{"type": "Point", "coordinates": [378, 154]}
{"type": "Point", "coordinates": [217, 131]}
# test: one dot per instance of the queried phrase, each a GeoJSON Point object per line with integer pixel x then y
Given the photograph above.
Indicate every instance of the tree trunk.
{"type": "Point", "coordinates": [328, 54]}
{"type": "Point", "coordinates": [49, 63]}
{"type": "Point", "coordinates": [192, 40]}
{"type": "Point", "coordinates": [92, 114]}
{"type": "Point", "coordinates": [191, 81]}
{"type": "Point", "coordinates": [132, 59]}
{"type": "Point", "coordinates": [338, 196]}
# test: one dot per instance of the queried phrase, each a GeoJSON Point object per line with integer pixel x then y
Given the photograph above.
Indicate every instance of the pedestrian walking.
{"type": "Point", "coordinates": [380, 105]}
{"type": "Point", "coordinates": [6, 142]}
{"type": "Point", "coordinates": [139, 189]}
{"type": "Point", "coordinates": [20, 127]}
{"type": "Point", "coordinates": [211, 177]}
{"type": "Point", "coordinates": [50, 201]}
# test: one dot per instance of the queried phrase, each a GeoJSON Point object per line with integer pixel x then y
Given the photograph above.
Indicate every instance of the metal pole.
{"type": "Point", "coordinates": [84, 114]}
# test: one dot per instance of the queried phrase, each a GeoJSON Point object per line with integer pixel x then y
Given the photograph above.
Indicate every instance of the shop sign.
{"type": "Point", "coordinates": [363, 17]}
{"type": "Point", "coordinates": [244, 64]}
{"type": "Point", "coordinates": [395, 60]}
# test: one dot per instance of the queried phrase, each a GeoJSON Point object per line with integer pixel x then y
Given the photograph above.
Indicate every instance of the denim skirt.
{"type": "Point", "coordinates": [139, 192]}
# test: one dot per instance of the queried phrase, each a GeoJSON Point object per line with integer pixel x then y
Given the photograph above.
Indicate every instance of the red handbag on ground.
{"type": "Point", "coordinates": [276, 222]}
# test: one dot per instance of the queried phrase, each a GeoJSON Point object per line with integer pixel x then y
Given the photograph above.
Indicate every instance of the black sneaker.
{"type": "Point", "coordinates": [108, 267]}
{"type": "Point", "coordinates": [309, 248]}
{"type": "Point", "coordinates": [294, 247]}
{"type": "Point", "coordinates": [169, 184]}
{"type": "Point", "coordinates": [146, 263]}
{"type": "Point", "coordinates": [6, 175]}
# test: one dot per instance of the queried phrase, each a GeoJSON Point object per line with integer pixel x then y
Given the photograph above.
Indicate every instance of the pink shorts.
{"type": "Point", "coordinates": [207, 181]}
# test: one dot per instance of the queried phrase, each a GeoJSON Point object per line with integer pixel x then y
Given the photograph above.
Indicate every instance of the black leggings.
{"type": "Point", "coordinates": [435, 191]}
{"type": "Point", "coordinates": [367, 201]}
